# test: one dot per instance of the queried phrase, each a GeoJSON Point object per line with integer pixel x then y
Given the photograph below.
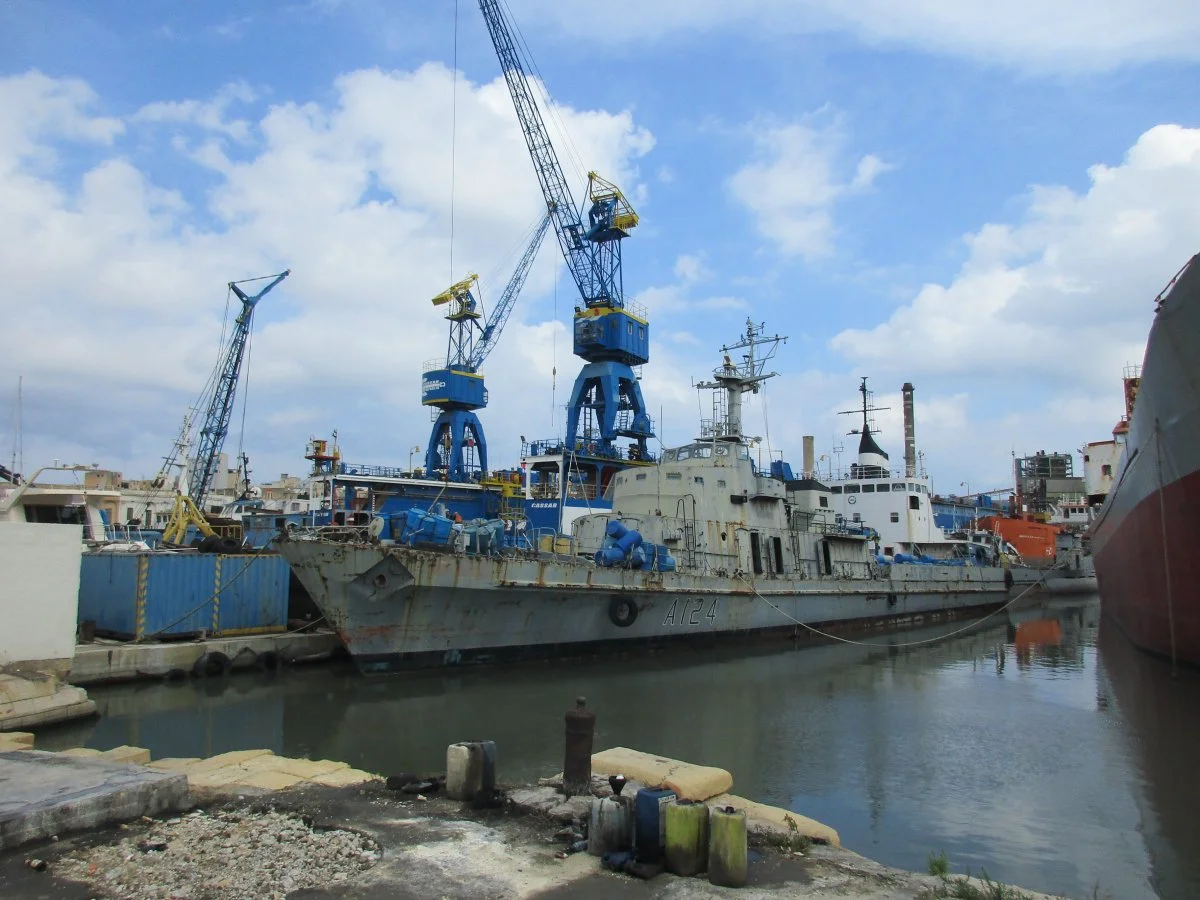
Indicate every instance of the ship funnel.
{"type": "Point", "coordinates": [809, 456]}
{"type": "Point", "coordinates": [910, 433]}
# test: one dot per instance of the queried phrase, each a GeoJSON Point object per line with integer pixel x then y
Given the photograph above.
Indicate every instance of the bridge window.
{"type": "Point", "coordinates": [868, 488]}
{"type": "Point", "coordinates": [668, 455]}
{"type": "Point", "coordinates": [836, 489]}
{"type": "Point", "coordinates": [684, 453]}
{"type": "Point", "coordinates": [722, 450]}
{"type": "Point", "coordinates": [898, 486]}
{"type": "Point", "coordinates": [853, 488]}
{"type": "Point", "coordinates": [702, 451]}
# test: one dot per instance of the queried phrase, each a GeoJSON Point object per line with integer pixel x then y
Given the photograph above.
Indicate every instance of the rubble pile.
{"type": "Point", "coordinates": [232, 853]}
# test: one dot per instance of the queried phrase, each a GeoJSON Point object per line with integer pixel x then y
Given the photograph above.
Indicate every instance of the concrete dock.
{"type": "Point", "coordinates": [278, 827]}
{"type": "Point", "coordinates": [110, 661]}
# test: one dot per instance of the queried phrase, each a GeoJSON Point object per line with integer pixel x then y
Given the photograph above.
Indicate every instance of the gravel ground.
{"type": "Point", "coordinates": [234, 853]}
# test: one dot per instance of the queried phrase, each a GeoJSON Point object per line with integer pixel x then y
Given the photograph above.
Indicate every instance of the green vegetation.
{"type": "Point", "coordinates": [793, 841]}
{"type": "Point", "coordinates": [938, 864]}
{"type": "Point", "coordinates": [962, 888]}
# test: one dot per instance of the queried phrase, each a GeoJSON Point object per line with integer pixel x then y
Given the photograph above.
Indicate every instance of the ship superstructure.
{"type": "Point", "coordinates": [898, 507]}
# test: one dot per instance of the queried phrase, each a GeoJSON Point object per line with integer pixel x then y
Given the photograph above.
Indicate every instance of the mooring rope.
{"type": "Point", "coordinates": [834, 637]}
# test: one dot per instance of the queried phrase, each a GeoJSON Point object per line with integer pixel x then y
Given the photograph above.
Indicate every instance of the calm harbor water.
{"type": "Point", "coordinates": [1038, 745]}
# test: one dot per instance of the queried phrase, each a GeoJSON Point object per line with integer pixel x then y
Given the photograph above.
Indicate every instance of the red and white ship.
{"type": "Point", "coordinates": [1146, 538]}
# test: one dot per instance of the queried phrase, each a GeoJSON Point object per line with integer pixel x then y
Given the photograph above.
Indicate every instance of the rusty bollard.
{"type": "Point", "coordinates": [577, 764]}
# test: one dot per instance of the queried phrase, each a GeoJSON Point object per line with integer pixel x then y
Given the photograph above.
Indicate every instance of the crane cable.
{"type": "Point", "coordinates": [453, 134]}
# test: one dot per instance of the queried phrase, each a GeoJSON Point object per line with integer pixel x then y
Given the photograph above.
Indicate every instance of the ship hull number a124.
{"type": "Point", "coordinates": [691, 612]}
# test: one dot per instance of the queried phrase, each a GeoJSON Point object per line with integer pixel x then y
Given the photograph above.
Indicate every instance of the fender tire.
{"type": "Point", "coordinates": [268, 661]}
{"type": "Point", "coordinates": [228, 546]}
{"type": "Point", "coordinates": [622, 611]}
{"type": "Point", "coordinates": [212, 665]}
{"type": "Point", "coordinates": [1008, 579]}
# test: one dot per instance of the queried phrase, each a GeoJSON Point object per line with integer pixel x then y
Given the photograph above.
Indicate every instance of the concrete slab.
{"type": "Point", "coordinates": [43, 794]}
{"type": "Point", "coordinates": [121, 661]}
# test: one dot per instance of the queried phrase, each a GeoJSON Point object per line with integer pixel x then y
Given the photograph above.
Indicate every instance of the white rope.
{"type": "Point", "coordinates": [834, 637]}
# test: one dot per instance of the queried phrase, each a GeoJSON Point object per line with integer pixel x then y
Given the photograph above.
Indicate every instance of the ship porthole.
{"type": "Point", "coordinates": [622, 611]}
{"type": "Point", "coordinates": [380, 580]}
{"type": "Point", "coordinates": [724, 536]}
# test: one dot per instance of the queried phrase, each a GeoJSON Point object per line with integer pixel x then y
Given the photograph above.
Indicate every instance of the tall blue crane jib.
{"type": "Point", "coordinates": [220, 405]}
{"type": "Point", "coordinates": [457, 388]}
{"type": "Point", "coordinates": [610, 338]}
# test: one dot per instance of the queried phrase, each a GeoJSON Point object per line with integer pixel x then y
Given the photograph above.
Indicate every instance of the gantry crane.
{"type": "Point", "coordinates": [457, 388]}
{"type": "Point", "coordinates": [609, 337]}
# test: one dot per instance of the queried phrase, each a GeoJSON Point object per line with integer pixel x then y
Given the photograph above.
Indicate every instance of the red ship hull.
{"type": "Point", "coordinates": [1146, 539]}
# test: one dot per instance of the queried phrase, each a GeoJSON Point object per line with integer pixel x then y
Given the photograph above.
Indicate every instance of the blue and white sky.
{"type": "Point", "coordinates": [982, 199]}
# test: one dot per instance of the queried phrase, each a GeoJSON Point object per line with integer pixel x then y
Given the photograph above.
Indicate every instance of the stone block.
{"type": "Point", "coordinates": [15, 689]}
{"type": "Point", "coordinates": [536, 800]}
{"type": "Point", "coordinates": [344, 777]}
{"type": "Point", "coordinates": [306, 768]}
{"type": "Point", "coordinates": [16, 740]}
{"type": "Point", "coordinates": [267, 781]}
{"type": "Point", "coordinates": [232, 758]}
{"type": "Point", "coordinates": [174, 763]}
{"type": "Point", "coordinates": [760, 817]}
{"type": "Point", "coordinates": [82, 752]}
{"type": "Point", "coordinates": [126, 754]}
{"type": "Point", "coordinates": [688, 781]}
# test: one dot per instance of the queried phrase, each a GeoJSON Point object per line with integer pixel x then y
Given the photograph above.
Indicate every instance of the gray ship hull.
{"type": "Point", "coordinates": [397, 608]}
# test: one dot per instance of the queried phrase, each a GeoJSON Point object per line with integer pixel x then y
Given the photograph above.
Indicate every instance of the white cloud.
{"type": "Point", "coordinates": [209, 115]}
{"type": "Point", "coordinates": [39, 109]}
{"type": "Point", "coordinates": [1044, 314]}
{"type": "Point", "coordinates": [1066, 35]}
{"type": "Point", "coordinates": [669, 303]}
{"type": "Point", "coordinates": [115, 283]}
{"type": "Point", "coordinates": [796, 180]}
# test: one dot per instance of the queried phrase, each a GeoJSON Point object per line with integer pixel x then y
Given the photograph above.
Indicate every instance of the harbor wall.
{"type": "Point", "coordinates": [39, 596]}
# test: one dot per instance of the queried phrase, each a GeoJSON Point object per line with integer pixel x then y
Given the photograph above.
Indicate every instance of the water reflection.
{"type": "Point", "coordinates": [1009, 745]}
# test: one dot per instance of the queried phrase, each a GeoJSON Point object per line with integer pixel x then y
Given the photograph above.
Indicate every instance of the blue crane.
{"type": "Point", "coordinates": [220, 404]}
{"type": "Point", "coordinates": [457, 388]}
{"type": "Point", "coordinates": [610, 338]}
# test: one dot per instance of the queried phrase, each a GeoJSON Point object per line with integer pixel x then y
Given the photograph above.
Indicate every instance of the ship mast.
{"type": "Point", "coordinates": [731, 380]}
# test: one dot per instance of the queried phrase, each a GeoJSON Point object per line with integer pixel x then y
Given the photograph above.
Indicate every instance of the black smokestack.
{"type": "Point", "coordinates": [910, 433]}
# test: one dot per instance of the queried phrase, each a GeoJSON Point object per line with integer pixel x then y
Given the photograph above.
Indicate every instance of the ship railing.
{"type": "Point", "coordinates": [373, 471]}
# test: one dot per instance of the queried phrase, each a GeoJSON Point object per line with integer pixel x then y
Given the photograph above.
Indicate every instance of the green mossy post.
{"type": "Point", "coordinates": [727, 848]}
{"type": "Point", "coordinates": [687, 837]}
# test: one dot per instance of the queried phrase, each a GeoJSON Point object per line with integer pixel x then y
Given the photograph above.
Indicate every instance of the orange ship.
{"type": "Point", "coordinates": [1033, 540]}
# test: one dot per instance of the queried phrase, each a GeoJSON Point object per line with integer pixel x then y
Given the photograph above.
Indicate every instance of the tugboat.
{"type": "Point", "coordinates": [702, 546]}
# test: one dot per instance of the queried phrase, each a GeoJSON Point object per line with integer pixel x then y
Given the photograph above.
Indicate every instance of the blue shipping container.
{"type": "Point", "coordinates": [147, 595]}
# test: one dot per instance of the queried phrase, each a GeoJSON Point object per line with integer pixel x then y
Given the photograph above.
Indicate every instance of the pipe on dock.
{"type": "Point", "coordinates": [910, 433]}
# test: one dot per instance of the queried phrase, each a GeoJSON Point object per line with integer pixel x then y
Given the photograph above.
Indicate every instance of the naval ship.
{"type": "Point", "coordinates": [703, 546]}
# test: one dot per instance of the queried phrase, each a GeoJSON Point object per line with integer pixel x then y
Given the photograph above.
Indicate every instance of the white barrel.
{"type": "Point", "coordinates": [610, 826]}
